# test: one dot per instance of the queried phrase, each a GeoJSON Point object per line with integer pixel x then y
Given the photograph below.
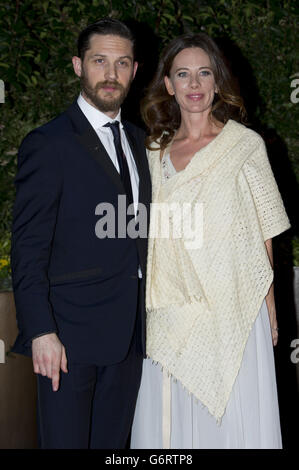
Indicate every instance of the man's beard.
{"type": "Point", "coordinates": [102, 104]}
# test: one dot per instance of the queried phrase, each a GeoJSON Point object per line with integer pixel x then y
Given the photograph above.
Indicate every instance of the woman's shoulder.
{"type": "Point", "coordinates": [154, 150]}
{"type": "Point", "coordinates": [244, 132]}
{"type": "Point", "coordinates": [153, 157]}
{"type": "Point", "coordinates": [242, 135]}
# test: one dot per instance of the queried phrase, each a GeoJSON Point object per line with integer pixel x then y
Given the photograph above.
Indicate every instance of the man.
{"type": "Point", "coordinates": [80, 295]}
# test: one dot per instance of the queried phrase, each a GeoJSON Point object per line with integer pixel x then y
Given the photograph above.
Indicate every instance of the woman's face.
{"type": "Point", "coordinates": [192, 80]}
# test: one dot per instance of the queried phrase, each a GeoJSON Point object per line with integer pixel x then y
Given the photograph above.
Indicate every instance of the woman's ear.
{"type": "Point", "coordinates": [168, 85]}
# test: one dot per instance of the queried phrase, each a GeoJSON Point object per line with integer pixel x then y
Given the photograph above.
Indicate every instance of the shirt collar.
{"type": "Point", "coordinates": [95, 117]}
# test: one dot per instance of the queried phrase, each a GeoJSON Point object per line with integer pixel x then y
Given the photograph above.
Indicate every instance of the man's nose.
{"type": "Point", "coordinates": [111, 72]}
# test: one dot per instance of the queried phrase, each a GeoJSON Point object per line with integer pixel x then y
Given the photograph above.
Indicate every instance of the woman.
{"type": "Point", "coordinates": [209, 380]}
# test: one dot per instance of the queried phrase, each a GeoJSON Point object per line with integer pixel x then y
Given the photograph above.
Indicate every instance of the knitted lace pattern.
{"type": "Point", "coordinates": [202, 301]}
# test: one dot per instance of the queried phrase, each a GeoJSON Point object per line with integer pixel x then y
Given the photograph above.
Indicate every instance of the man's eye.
{"type": "Point", "coordinates": [123, 63]}
{"type": "Point", "coordinates": [99, 61]}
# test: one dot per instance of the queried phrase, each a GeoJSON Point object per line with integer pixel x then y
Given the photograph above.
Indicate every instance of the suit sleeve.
{"type": "Point", "coordinates": [268, 202]}
{"type": "Point", "coordinates": [38, 188]}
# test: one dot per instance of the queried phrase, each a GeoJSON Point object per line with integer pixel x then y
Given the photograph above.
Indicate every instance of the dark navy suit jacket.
{"type": "Point", "coordinates": [65, 278]}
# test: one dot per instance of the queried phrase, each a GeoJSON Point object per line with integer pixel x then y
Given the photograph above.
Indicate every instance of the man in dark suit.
{"type": "Point", "coordinates": [79, 285]}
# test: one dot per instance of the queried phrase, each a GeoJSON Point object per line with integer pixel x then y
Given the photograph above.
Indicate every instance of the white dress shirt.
{"type": "Point", "coordinates": [97, 119]}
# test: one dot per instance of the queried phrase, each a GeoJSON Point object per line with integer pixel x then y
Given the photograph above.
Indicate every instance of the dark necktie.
{"type": "Point", "coordinates": [122, 161]}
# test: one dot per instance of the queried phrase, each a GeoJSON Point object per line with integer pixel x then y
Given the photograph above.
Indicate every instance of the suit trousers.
{"type": "Point", "coordinates": [94, 405]}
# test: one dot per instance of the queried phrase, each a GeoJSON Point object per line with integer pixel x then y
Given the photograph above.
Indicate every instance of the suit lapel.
{"type": "Point", "coordinates": [141, 164]}
{"type": "Point", "coordinates": [133, 146]}
{"type": "Point", "coordinates": [88, 138]}
{"type": "Point", "coordinates": [135, 153]}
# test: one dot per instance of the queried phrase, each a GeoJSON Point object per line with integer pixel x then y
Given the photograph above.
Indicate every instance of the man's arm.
{"type": "Point", "coordinates": [38, 188]}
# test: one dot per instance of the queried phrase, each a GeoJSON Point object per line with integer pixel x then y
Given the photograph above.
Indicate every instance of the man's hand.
{"type": "Point", "coordinates": [48, 356]}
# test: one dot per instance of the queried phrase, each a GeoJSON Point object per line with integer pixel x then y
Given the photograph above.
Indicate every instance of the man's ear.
{"type": "Point", "coordinates": [168, 85]}
{"type": "Point", "coordinates": [77, 65]}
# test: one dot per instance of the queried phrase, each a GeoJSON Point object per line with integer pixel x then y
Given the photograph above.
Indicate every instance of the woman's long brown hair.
{"type": "Point", "coordinates": [160, 111]}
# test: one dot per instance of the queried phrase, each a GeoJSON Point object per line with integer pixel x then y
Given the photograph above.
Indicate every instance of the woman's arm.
{"type": "Point", "coordinates": [270, 301]}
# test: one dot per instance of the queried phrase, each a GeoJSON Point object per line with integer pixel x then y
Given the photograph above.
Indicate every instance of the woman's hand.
{"type": "Point", "coordinates": [272, 314]}
{"type": "Point", "coordinates": [270, 301]}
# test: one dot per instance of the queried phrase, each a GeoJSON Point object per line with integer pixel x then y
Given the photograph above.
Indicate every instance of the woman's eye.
{"type": "Point", "coordinates": [205, 73]}
{"type": "Point", "coordinates": [182, 74]}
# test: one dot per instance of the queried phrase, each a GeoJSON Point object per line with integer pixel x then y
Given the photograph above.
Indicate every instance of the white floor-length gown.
{"type": "Point", "coordinates": [251, 419]}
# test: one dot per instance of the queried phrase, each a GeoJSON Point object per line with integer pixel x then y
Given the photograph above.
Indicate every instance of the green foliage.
{"type": "Point", "coordinates": [38, 38]}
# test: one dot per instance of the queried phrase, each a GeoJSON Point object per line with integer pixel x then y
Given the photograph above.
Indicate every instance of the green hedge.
{"type": "Point", "coordinates": [38, 38]}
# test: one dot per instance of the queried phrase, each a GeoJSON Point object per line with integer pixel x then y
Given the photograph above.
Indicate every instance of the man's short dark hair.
{"type": "Point", "coordinates": [104, 26]}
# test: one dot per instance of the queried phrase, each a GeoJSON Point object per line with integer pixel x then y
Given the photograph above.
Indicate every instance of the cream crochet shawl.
{"type": "Point", "coordinates": [202, 302]}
